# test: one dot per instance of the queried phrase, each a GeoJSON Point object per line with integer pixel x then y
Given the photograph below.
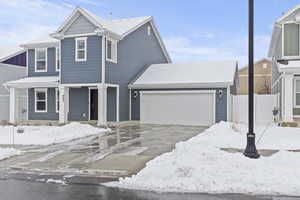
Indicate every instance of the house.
{"type": "Point", "coordinates": [81, 72]}
{"type": "Point", "coordinates": [197, 93]}
{"type": "Point", "coordinates": [94, 69]}
{"type": "Point", "coordinates": [13, 55]}
{"type": "Point", "coordinates": [262, 78]}
{"type": "Point", "coordinates": [284, 50]}
{"type": "Point", "coordinates": [12, 62]}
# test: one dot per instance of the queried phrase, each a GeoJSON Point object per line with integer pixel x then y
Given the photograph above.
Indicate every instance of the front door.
{"type": "Point", "coordinates": [93, 104]}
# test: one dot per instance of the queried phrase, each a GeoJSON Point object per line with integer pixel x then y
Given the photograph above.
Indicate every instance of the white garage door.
{"type": "Point", "coordinates": [178, 107]}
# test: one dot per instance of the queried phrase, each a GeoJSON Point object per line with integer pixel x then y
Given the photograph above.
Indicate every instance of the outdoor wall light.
{"type": "Point", "coordinates": [135, 94]}
{"type": "Point", "coordinates": [220, 92]}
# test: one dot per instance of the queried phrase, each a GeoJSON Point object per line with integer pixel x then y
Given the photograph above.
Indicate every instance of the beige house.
{"type": "Point", "coordinates": [262, 78]}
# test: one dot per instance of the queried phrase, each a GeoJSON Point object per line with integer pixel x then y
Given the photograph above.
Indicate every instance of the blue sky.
{"type": "Point", "coordinates": [193, 30]}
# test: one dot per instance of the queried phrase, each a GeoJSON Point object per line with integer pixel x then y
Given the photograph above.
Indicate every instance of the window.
{"type": "Point", "coordinates": [40, 100]}
{"type": "Point", "coordinates": [81, 50]}
{"type": "Point", "coordinates": [57, 100]}
{"type": "Point", "coordinates": [57, 58]}
{"type": "Point", "coordinates": [111, 50]}
{"type": "Point", "coordinates": [41, 60]}
{"type": "Point", "coordinates": [265, 65]}
{"type": "Point", "coordinates": [149, 30]}
{"type": "Point", "coordinates": [291, 40]}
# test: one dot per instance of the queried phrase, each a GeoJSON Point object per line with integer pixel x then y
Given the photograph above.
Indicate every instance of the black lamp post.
{"type": "Point", "coordinates": [250, 150]}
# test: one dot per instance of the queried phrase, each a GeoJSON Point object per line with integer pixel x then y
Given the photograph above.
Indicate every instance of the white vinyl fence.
{"type": "Point", "coordinates": [21, 108]}
{"type": "Point", "coordinates": [263, 108]}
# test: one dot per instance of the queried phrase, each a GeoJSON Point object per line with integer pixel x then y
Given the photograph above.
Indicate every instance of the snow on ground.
{"type": "Point", "coordinates": [45, 135]}
{"type": "Point", "coordinates": [199, 166]}
{"type": "Point", "coordinates": [8, 152]}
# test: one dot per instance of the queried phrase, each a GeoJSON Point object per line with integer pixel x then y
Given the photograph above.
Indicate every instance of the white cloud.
{"type": "Point", "coordinates": [185, 49]}
{"type": "Point", "coordinates": [23, 20]}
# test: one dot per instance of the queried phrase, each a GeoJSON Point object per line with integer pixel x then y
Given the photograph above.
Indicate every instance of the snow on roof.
{"type": "Point", "coordinates": [289, 66]}
{"type": "Point", "coordinates": [217, 72]}
{"type": "Point", "coordinates": [44, 81]}
{"type": "Point", "coordinates": [7, 52]}
{"type": "Point", "coordinates": [118, 26]}
{"type": "Point", "coordinates": [47, 39]}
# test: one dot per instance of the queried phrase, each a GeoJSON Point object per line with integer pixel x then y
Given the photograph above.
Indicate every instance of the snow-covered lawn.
{"type": "Point", "coordinates": [8, 152]}
{"type": "Point", "coordinates": [45, 135]}
{"type": "Point", "coordinates": [199, 166]}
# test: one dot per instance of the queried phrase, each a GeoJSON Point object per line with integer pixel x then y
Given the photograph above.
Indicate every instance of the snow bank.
{"type": "Point", "coordinates": [8, 152]}
{"type": "Point", "coordinates": [199, 166]}
{"type": "Point", "coordinates": [45, 135]}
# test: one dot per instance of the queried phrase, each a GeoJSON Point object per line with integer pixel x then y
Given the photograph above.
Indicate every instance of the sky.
{"type": "Point", "coordinates": [193, 30]}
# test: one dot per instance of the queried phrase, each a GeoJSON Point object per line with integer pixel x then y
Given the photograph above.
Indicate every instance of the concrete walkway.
{"type": "Point", "coordinates": [120, 153]}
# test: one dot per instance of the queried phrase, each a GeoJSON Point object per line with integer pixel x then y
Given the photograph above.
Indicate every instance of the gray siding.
{"type": "Point", "coordinates": [50, 62]}
{"type": "Point", "coordinates": [134, 52]}
{"type": "Point", "coordinates": [81, 72]}
{"type": "Point", "coordinates": [50, 115]}
{"type": "Point", "coordinates": [221, 104]}
{"type": "Point", "coordinates": [80, 26]}
{"type": "Point", "coordinates": [79, 104]}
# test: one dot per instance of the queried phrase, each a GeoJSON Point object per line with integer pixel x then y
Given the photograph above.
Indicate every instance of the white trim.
{"type": "Point", "coordinates": [257, 75]}
{"type": "Point", "coordinates": [26, 62]}
{"type": "Point", "coordinates": [85, 49]}
{"type": "Point", "coordinates": [288, 13]}
{"type": "Point", "coordinates": [12, 105]}
{"type": "Point", "coordinates": [130, 90]}
{"type": "Point", "coordinates": [57, 58]}
{"type": "Point", "coordinates": [180, 85]}
{"type": "Point", "coordinates": [114, 50]}
{"type": "Point", "coordinates": [46, 60]}
{"type": "Point", "coordinates": [103, 62]}
{"type": "Point", "coordinates": [228, 96]}
{"type": "Point", "coordinates": [148, 30]}
{"type": "Point", "coordinates": [57, 100]}
{"type": "Point", "coordinates": [294, 91]}
{"type": "Point", "coordinates": [80, 84]}
{"type": "Point", "coordinates": [36, 90]}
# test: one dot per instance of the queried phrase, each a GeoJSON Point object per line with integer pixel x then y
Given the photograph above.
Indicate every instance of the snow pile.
{"type": "Point", "coordinates": [199, 166]}
{"type": "Point", "coordinates": [45, 135]}
{"type": "Point", "coordinates": [8, 152]}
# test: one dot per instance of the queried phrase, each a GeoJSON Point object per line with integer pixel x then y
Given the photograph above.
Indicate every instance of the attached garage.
{"type": "Point", "coordinates": [196, 94]}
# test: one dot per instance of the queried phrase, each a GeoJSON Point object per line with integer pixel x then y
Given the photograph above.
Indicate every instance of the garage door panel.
{"type": "Point", "coordinates": [178, 108]}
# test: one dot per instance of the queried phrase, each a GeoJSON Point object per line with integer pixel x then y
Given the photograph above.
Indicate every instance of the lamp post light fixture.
{"type": "Point", "coordinates": [250, 150]}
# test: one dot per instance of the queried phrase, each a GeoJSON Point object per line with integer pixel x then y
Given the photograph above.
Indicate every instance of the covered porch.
{"type": "Point", "coordinates": [48, 100]}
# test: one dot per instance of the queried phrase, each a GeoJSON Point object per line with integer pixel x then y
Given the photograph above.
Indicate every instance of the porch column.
{"type": "Point", "coordinates": [12, 105]}
{"type": "Point", "coordinates": [102, 102]}
{"type": "Point", "coordinates": [287, 112]}
{"type": "Point", "coordinates": [63, 104]}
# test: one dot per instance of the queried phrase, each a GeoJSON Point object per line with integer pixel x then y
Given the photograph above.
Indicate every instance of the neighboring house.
{"type": "Point", "coordinates": [13, 55]}
{"type": "Point", "coordinates": [285, 52]}
{"type": "Point", "coordinates": [262, 78]}
{"type": "Point", "coordinates": [82, 71]}
{"type": "Point", "coordinates": [12, 62]}
{"type": "Point", "coordinates": [197, 93]}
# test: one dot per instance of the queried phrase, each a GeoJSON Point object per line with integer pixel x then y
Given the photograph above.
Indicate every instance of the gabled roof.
{"type": "Point", "coordinates": [120, 28]}
{"type": "Point", "coordinates": [287, 14]}
{"type": "Point", "coordinates": [191, 74]}
{"type": "Point", "coordinates": [7, 52]}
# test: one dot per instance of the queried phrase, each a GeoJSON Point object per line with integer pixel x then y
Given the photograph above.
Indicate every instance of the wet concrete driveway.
{"type": "Point", "coordinates": [122, 152]}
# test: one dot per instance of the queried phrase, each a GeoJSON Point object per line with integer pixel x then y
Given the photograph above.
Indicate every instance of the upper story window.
{"type": "Point", "coordinates": [57, 59]}
{"type": "Point", "coordinates": [291, 40]}
{"type": "Point", "coordinates": [111, 51]}
{"type": "Point", "coordinates": [297, 93]}
{"type": "Point", "coordinates": [41, 60]}
{"type": "Point", "coordinates": [80, 49]}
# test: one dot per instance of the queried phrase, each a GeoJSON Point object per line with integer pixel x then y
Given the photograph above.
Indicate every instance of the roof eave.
{"type": "Point", "coordinates": [12, 55]}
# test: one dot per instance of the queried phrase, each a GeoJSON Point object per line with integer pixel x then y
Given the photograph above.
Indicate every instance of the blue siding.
{"type": "Point", "coordinates": [50, 115]}
{"type": "Point", "coordinates": [17, 60]}
{"type": "Point", "coordinates": [221, 104]}
{"type": "Point", "coordinates": [81, 72]}
{"type": "Point", "coordinates": [111, 104]}
{"type": "Point", "coordinates": [79, 104]}
{"type": "Point", "coordinates": [134, 52]}
{"type": "Point", "coordinates": [50, 61]}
